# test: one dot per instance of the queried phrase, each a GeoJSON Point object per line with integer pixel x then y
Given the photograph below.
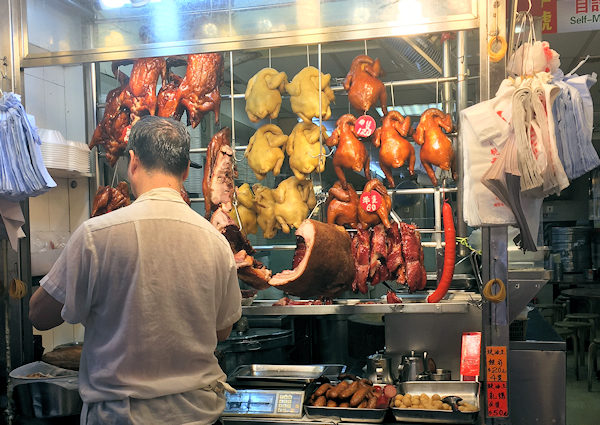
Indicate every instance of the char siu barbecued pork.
{"type": "Point", "coordinates": [323, 264]}
{"type": "Point", "coordinates": [350, 152]}
{"type": "Point", "coordinates": [378, 271]}
{"type": "Point", "coordinates": [219, 172]}
{"type": "Point", "coordinates": [361, 249]}
{"type": "Point", "coordinates": [436, 148]}
{"type": "Point", "coordinates": [416, 276]}
{"type": "Point", "coordinates": [395, 260]}
{"type": "Point", "coordinates": [363, 85]}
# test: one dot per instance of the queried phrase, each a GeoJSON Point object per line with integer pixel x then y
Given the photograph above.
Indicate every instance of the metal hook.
{"type": "Point", "coordinates": [321, 199]}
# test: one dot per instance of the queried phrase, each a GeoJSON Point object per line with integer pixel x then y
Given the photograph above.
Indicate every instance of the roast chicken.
{"type": "Point", "coordinates": [265, 209]}
{"type": "Point", "coordinates": [363, 85]}
{"type": "Point", "coordinates": [342, 205]}
{"type": "Point", "coordinates": [294, 199]}
{"type": "Point", "coordinates": [265, 150]}
{"type": "Point", "coordinates": [109, 198]}
{"type": "Point", "coordinates": [139, 96]}
{"type": "Point", "coordinates": [197, 93]}
{"type": "Point", "coordinates": [263, 94]}
{"type": "Point", "coordinates": [219, 172]}
{"type": "Point", "coordinates": [436, 148]}
{"type": "Point", "coordinates": [246, 210]}
{"type": "Point", "coordinates": [112, 130]}
{"type": "Point", "coordinates": [306, 153]}
{"type": "Point", "coordinates": [350, 152]}
{"type": "Point", "coordinates": [394, 149]}
{"type": "Point", "coordinates": [304, 94]}
{"type": "Point", "coordinates": [381, 215]}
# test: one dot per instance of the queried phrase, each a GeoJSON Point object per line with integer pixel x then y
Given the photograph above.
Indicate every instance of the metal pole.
{"type": "Point", "coordinates": [447, 71]}
{"type": "Point", "coordinates": [461, 103]}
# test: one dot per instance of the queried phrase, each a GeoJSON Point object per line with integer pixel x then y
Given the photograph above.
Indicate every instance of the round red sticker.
{"type": "Point", "coordinates": [364, 126]}
{"type": "Point", "coordinates": [370, 201]}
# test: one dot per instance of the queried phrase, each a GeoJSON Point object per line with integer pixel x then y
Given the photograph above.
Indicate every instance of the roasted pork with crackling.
{"type": "Point", "coordinates": [218, 186]}
{"type": "Point", "coordinates": [322, 265]}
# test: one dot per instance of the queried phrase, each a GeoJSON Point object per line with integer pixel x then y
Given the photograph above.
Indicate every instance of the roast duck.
{"type": "Point", "coordinates": [304, 91]}
{"type": "Point", "coordinates": [350, 152]}
{"type": "Point", "coordinates": [306, 153]}
{"type": "Point", "coordinates": [436, 148]}
{"type": "Point", "coordinates": [265, 150]}
{"type": "Point", "coordinates": [197, 92]}
{"type": "Point", "coordinates": [263, 94]}
{"type": "Point", "coordinates": [109, 198]}
{"type": "Point", "coordinates": [364, 86]}
{"type": "Point", "coordinates": [322, 265]}
{"type": "Point", "coordinates": [394, 149]}
{"type": "Point", "coordinates": [219, 190]}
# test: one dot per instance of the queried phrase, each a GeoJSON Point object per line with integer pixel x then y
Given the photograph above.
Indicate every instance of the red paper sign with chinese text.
{"type": "Point", "coordinates": [370, 201]}
{"type": "Point", "coordinates": [470, 353]}
{"type": "Point", "coordinates": [495, 362]}
{"type": "Point", "coordinates": [497, 399]}
{"type": "Point", "coordinates": [364, 126]}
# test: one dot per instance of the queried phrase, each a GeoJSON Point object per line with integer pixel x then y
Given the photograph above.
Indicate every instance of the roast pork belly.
{"type": "Point", "coordinates": [323, 265]}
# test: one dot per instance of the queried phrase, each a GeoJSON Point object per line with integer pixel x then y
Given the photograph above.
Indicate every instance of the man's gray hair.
{"type": "Point", "coordinates": [161, 144]}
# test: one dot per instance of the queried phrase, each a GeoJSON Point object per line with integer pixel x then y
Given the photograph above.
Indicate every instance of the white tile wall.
{"type": "Point", "coordinates": [54, 95]}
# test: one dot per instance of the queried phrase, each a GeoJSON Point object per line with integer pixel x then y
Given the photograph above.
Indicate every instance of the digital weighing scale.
{"type": "Point", "coordinates": [266, 403]}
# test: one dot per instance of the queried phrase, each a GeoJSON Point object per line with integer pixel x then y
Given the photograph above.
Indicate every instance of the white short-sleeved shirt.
{"type": "Point", "coordinates": [151, 283]}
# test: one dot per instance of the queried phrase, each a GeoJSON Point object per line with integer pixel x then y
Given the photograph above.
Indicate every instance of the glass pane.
{"type": "Point", "coordinates": [71, 25]}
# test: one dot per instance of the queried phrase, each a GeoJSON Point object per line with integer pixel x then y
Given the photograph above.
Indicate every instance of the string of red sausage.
{"type": "Point", "coordinates": [449, 255]}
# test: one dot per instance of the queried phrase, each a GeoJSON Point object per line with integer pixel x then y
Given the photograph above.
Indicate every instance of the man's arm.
{"type": "Point", "coordinates": [223, 334]}
{"type": "Point", "coordinates": [44, 310]}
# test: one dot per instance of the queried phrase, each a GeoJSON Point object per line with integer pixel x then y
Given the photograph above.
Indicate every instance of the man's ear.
{"type": "Point", "coordinates": [134, 162]}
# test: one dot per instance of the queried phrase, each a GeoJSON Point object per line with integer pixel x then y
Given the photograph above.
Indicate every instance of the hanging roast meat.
{"type": "Point", "coordinates": [416, 276]}
{"type": "Point", "coordinates": [217, 186]}
{"type": "Point", "coordinates": [378, 271]}
{"type": "Point", "coordinates": [436, 148]}
{"type": "Point", "coordinates": [323, 264]}
{"type": "Point", "coordinates": [395, 260]}
{"type": "Point", "coordinates": [342, 205]}
{"type": "Point", "coordinates": [197, 93]}
{"type": "Point", "coordinates": [394, 149]}
{"type": "Point", "coordinates": [109, 198]}
{"type": "Point", "coordinates": [139, 96]}
{"type": "Point", "coordinates": [381, 214]}
{"type": "Point", "coordinates": [361, 249]}
{"type": "Point", "coordinates": [112, 129]}
{"type": "Point", "coordinates": [350, 152]}
{"type": "Point", "coordinates": [363, 85]}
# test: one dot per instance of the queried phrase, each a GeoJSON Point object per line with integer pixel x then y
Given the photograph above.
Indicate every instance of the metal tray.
{"type": "Point", "coordinates": [266, 372]}
{"type": "Point", "coordinates": [468, 391]}
{"type": "Point", "coordinates": [346, 414]}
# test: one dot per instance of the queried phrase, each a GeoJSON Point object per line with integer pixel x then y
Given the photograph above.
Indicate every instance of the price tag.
{"type": "Point", "coordinates": [470, 353]}
{"type": "Point", "coordinates": [364, 126]}
{"type": "Point", "coordinates": [370, 201]}
{"type": "Point", "coordinates": [497, 399]}
{"type": "Point", "coordinates": [495, 359]}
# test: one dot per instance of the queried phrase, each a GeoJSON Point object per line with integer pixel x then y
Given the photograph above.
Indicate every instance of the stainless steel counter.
{"type": "Point", "coordinates": [457, 302]}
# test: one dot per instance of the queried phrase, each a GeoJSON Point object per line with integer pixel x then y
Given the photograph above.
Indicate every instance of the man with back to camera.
{"type": "Point", "coordinates": [155, 286]}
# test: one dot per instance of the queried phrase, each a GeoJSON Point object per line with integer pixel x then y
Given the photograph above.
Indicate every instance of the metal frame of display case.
{"type": "Point", "coordinates": [488, 13]}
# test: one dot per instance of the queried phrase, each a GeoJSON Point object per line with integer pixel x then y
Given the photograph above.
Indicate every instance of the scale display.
{"type": "Point", "coordinates": [271, 403]}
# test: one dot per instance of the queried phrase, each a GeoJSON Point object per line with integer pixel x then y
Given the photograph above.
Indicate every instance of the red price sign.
{"type": "Point", "coordinates": [364, 126]}
{"type": "Point", "coordinates": [495, 360]}
{"type": "Point", "coordinates": [497, 399]}
{"type": "Point", "coordinates": [370, 201]}
{"type": "Point", "coordinates": [470, 353]}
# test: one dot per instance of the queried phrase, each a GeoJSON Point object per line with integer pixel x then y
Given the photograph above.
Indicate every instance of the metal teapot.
{"type": "Point", "coordinates": [416, 366]}
{"type": "Point", "coordinates": [379, 369]}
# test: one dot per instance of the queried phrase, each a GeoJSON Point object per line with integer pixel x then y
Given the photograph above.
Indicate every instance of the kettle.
{"type": "Point", "coordinates": [379, 369]}
{"type": "Point", "coordinates": [416, 366]}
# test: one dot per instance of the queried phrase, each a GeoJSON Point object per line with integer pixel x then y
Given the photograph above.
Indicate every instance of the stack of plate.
{"type": "Point", "coordinates": [62, 154]}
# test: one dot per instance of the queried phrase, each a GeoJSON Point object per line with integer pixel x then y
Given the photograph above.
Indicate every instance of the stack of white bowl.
{"type": "Point", "coordinates": [61, 154]}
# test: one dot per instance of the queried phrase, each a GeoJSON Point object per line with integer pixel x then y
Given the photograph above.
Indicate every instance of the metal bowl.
{"type": "Point", "coordinates": [441, 375]}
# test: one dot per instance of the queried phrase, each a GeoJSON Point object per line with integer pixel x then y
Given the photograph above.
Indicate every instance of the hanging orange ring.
{"type": "Point", "coordinates": [499, 55]}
